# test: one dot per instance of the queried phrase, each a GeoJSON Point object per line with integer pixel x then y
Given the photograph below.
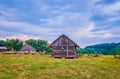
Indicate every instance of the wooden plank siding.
{"type": "Point", "coordinates": [63, 47]}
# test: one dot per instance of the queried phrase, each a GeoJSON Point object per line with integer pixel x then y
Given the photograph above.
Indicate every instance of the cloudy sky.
{"type": "Point", "coordinates": [87, 22]}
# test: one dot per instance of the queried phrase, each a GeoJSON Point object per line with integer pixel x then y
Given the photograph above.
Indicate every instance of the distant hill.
{"type": "Point", "coordinates": [107, 46]}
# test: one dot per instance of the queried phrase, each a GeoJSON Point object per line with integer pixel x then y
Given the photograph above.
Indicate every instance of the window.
{"type": "Point", "coordinates": [62, 48]}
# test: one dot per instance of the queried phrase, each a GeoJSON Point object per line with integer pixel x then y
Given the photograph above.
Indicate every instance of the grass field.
{"type": "Point", "coordinates": [45, 67]}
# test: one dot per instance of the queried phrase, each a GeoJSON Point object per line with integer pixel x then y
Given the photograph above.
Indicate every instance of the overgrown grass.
{"type": "Point", "coordinates": [46, 67]}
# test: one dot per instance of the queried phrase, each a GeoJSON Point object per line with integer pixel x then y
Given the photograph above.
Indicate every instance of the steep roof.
{"type": "Point", "coordinates": [28, 48]}
{"type": "Point", "coordinates": [65, 37]}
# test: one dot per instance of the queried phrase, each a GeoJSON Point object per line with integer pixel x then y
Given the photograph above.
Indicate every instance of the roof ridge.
{"type": "Point", "coordinates": [66, 37]}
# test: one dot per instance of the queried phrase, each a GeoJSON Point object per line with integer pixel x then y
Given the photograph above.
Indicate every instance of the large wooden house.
{"type": "Point", "coordinates": [64, 47]}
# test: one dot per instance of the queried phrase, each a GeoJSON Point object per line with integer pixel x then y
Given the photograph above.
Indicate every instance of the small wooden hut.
{"type": "Point", "coordinates": [28, 48]}
{"type": "Point", "coordinates": [3, 49]}
{"type": "Point", "coordinates": [64, 47]}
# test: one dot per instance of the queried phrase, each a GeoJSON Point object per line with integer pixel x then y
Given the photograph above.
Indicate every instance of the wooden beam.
{"type": "Point", "coordinates": [67, 47]}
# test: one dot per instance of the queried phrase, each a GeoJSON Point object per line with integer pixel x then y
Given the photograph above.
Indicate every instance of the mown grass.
{"type": "Point", "coordinates": [46, 67]}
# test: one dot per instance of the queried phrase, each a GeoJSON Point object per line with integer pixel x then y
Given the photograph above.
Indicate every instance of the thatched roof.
{"type": "Point", "coordinates": [3, 48]}
{"type": "Point", "coordinates": [28, 48]}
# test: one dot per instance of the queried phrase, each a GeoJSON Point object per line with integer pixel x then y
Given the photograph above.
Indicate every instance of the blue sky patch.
{"type": "Point", "coordinates": [87, 22]}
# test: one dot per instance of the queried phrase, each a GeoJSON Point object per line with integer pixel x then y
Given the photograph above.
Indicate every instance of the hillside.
{"type": "Point", "coordinates": [104, 48]}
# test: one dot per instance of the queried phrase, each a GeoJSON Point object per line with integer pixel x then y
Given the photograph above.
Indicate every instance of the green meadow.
{"type": "Point", "coordinates": [45, 67]}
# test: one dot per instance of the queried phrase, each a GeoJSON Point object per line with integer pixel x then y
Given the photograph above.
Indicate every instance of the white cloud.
{"type": "Point", "coordinates": [23, 27]}
{"type": "Point", "coordinates": [88, 33]}
{"type": "Point", "coordinates": [22, 37]}
{"type": "Point", "coordinates": [114, 18]}
{"type": "Point", "coordinates": [111, 9]}
{"type": "Point", "coordinates": [11, 14]}
{"type": "Point", "coordinates": [7, 12]}
{"type": "Point", "coordinates": [65, 18]}
{"type": "Point", "coordinates": [40, 6]}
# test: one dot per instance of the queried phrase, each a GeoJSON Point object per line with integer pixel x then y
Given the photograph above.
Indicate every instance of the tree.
{"type": "Point", "coordinates": [117, 50]}
{"type": "Point", "coordinates": [2, 43]}
{"type": "Point", "coordinates": [81, 51]}
{"type": "Point", "coordinates": [90, 50]}
{"type": "Point", "coordinates": [32, 42]}
{"type": "Point", "coordinates": [105, 48]}
{"type": "Point", "coordinates": [105, 51]}
{"type": "Point", "coordinates": [42, 46]}
{"type": "Point", "coordinates": [13, 44]}
{"type": "Point", "coordinates": [112, 51]}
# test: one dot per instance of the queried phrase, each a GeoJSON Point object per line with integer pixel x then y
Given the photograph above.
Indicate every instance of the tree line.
{"type": "Point", "coordinates": [16, 45]}
{"type": "Point", "coordinates": [106, 49]}
{"type": "Point", "coordinates": [43, 46]}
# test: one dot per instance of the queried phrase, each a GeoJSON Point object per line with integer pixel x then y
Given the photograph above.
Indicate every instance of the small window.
{"type": "Point", "coordinates": [62, 48]}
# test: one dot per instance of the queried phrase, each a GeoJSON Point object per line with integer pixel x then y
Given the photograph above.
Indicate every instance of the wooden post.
{"type": "Point", "coordinates": [75, 52]}
{"type": "Point", "coordinates": [67, 47]}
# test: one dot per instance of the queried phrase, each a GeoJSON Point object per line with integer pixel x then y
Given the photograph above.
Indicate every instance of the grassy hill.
{"type": "Point", "coordinates": [45, 67]}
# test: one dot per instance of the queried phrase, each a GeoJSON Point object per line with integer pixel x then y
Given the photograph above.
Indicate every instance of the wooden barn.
{"type": "Point", "coordinates": [28, 48]}
{"type": "Point", "coordinates": [3, 49]}
{"type": "Point", "coordinates": [64, 47]}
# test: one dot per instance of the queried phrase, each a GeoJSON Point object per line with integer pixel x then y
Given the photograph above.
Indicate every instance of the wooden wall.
{"type": "Point", "coordinates": [63, 47]}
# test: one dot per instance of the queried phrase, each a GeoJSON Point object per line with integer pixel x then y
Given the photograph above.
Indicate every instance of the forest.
{"type": "Point", "coordinates": [16, 45]}
{"type": "Point", "coordinates": [43, 46]}
{"type": "Point", "coordinates": [105, 49]}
